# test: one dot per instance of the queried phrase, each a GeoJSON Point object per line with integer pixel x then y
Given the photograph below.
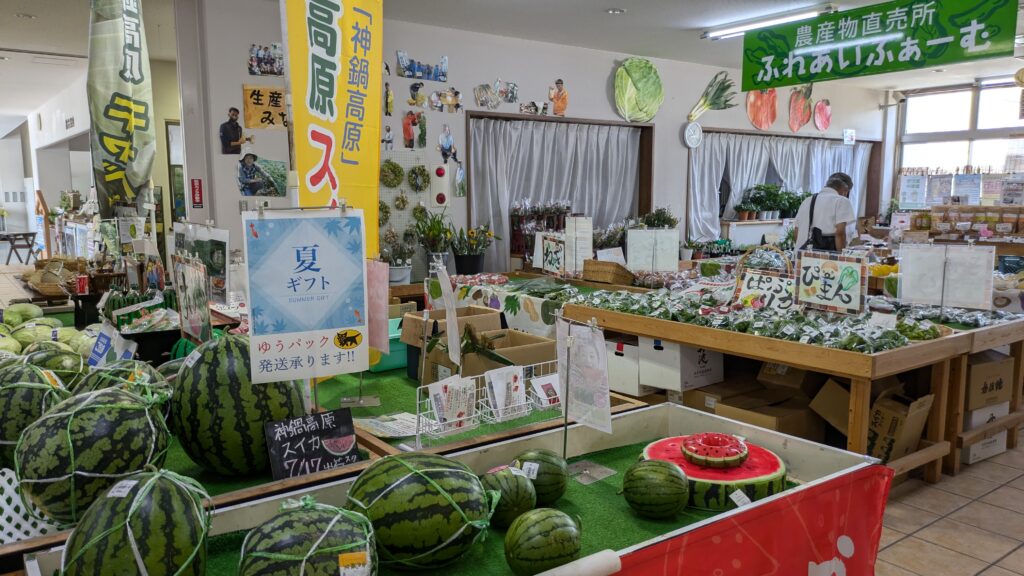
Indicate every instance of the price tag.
{"type": "Point", "coordinates": [53, 335]}
{"type": "Point", "coordinates": [354, 564]}
{"type": "Point", "coordinates": [805, 339]}
{"type": "Point", "coordinates": [740, 498]}
{"type": "Point", "coordinates": [758, 324]}
{"type": "Point", "coordinates": [52, 378]}
{"type": "Point", "coordinates": [718, 321]}
{"type": "Point", "coordinates": [710, 403]}
{"type": "Point", "coordinates": [883, 320]}
{"type": "Point", "coordinates": [788, 330]}
{"type": "Point", "coordinates": [192, 358]}
{"type": "Point", "coordinates": [122, 488]}
{"type": "Point", "coordinates": [530, 469]}
{"type": "Point", "coordinates": [516, 471]}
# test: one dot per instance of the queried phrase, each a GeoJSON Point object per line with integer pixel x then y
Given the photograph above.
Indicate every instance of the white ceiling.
{"type": "Point", "coordinates": [61, 27]}
{"type": "Point", "coordinates": [655, 28]}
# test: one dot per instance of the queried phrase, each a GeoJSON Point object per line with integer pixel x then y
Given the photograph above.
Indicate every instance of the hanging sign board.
{"type": "Point", "coordinates": [264, 107]}
{"type": "Point", "coordinates": [335, 56]}
{"type": "Point", "coordinates": [889, 37]}
{"type": "Point", "coordinates": [828, 281]}
{"type": "Point", "coordinates": [191, 282]}
{"type": "Point", "coordinates": [307, 294]}
{"type": "Point", "coordinates": [312, 443]}
{"type": "Point", "coordinates": [953, 275]}
{"type": "Point", "coordinates": [766, 289]}
{"type": "Point", "coordinates": [913, 191]}
{"type": "Point", "coordinates": [968, 186]}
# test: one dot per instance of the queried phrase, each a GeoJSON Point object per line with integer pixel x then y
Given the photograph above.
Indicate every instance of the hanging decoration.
{"type": "Point", "coordinates": [419, 178]}
{"type": "Point", "coordinates": [762, 108]}
{"type": "Point", "coordinates": [402, 201]}
{"type": "Point", "coordinates": [391, 174]}
{"type": "Point", "coordinates": [383, 213]}
{"type": "Point", "coordinates": [823, 114]}
{"type": "Point", "coordinates": [638, 90]}
{"type": "Point", "coordinates": [800, 107]}
{"type": "Point", "coordinates": [717, 95]}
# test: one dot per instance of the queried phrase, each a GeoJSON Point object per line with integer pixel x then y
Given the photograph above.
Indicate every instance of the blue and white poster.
{"type": "Point", "coordinates": [307, 294]}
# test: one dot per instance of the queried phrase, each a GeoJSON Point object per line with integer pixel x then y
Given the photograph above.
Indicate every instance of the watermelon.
{"type": "Point", "coordinates": [134, 375]}
{"type": "Point", "coordinates": [22, 403]}
{"type": "Point", "coordinates": [152, 521]}
{"type": "Point", "coordinates": [82, 446]}
{"type": "Point", "coordinates": [312, 539]}
{"type": "Point", "coordinates": [10, 344]}
{"type": "Point", "coordinates": [714, 450]}
{"type": "Point", "coordinates": [517, 494]}
{"type": "Point", "coordinates": [44, 345]}
{"type": "Point", "coordinates": [11, 319]}
{"type": "Point", "coordinates": [540, 540]}
{"type": "Point", "coordinates": [26, 311]}
{"type": "Point", "coordinates": [29, 333]}
{"type": "Point", "coordinates": [218, 413]}
{"type": "Point", "coordinates": [655, 489]}
{"type": "Point", "coordinates": [48, 322]}
{"type": "Point", "coordinates": [68, 366]}
{"type": "Point", "coordinates": [23, 373]}
{"type": "Point", "coordinates": [169, 370]}
{"type": "Point", "coordinates": [547, 470]}
{"type": "Point", "coordinates": [426, 510]}
{"type": "Point", "coordinates": [8, 358]}
{"type": "Point", "coordinates": [761, 475]}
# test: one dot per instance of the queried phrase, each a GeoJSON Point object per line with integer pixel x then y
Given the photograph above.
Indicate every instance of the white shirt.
{"type": "Point", "coordinates": [830, 210]}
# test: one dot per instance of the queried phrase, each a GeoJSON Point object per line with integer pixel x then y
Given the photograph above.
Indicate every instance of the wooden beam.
{"type": "Point", "coordinates": [1017, 351]}
{"type": "Point", "coordinates": [955, 412]}
{"type": "Point", "coordinates": [927, 453]}
{"type": "Point", "coordinates": [860, 411]}
{"type": "Point", "coordinates": [937, 418]}
{"type": "Point", "coordinates": [973, 436]}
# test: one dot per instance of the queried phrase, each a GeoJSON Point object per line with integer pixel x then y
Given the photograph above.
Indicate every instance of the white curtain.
{"type": "Point", "coordinates": [789, 156]}
{"type": "Point", "coordinates": [593, 168]}
{"type": "Point", "coordinates": [861, 159]}
{"type": "Point", "coordinates": [748, 165]}
{"type": "Point", "coordinates": [707, 167]}
{"type": "Point", "coordinates": [827, 157]}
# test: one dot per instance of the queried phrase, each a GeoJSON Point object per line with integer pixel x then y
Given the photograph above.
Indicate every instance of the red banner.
{"type": "Point", "coordinates": [826, 530]}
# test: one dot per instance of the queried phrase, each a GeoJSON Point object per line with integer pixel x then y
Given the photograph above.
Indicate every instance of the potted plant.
{"type": "Point", "coordinates": [688, 249]}
{"type": "Point", "coordinates": [469, 246]}
{"type": "Point", "coordinates": [399, 254]}
{"type": "Point", "coordinates": [791, 203]}
{"type": "Point", "coordinates": [745, 210]}
{"type": "Point", "coordinates": [434, 233]}
{"type": "Point", "coordinates": [660, 218]}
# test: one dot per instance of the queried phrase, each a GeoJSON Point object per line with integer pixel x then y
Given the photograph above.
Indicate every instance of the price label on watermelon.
{"type": "Point", "coordinates": [311, 443]}
{"type": "Point", "coordinates": [354, 564]}
{"type": "Point", "coordinates": [122, 489]}
{"type": "Point", "coordinates": [52, 378]}
{"type": "Point", "coordinates": [192, 358]}
{"type": "Point", "coordinates": [740, 498]}
{"type": "Point", "coordinates": [530, 469]}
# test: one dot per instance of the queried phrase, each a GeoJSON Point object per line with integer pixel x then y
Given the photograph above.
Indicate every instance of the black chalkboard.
{"type": "Point", "coordinates": [311, 443]}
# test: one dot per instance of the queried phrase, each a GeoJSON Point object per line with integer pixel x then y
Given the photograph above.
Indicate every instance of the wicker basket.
{"type": "Point", "coordinates": [607, 273]}
{"type": "Point", "coordinates": [741, 263]}
{"type": "Point", "coordinates": [100, 282]}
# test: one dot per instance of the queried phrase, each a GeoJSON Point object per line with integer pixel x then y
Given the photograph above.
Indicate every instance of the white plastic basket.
{"type": "Point", "coordinates": [16, 522]}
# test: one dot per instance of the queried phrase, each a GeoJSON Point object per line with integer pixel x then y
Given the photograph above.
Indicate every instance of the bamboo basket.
{"type": "Point", "coordinates": [607, 273]}
{"type": "Point", "coordinates": [741, 264]}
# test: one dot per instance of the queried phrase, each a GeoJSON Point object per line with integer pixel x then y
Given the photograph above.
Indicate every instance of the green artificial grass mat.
{"type": "Point", "coordinates": [66, 318]}
{"type": "Point", "coordinates": [607, 523]}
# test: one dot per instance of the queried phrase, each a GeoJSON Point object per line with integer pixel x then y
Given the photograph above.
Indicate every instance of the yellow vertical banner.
{"type": "Point", "coordinates": [334, 63]}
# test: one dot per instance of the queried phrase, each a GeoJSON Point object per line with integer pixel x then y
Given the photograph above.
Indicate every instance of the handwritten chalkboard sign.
{"type": "Point", "coordinates": [311, 443]}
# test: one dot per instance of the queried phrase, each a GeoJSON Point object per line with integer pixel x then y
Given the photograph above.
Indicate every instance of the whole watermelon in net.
{"type": "Point", "coordinates": [655, 489]}
{"type": "Point", "coordinates": [218, 413]}
{"type": "Point", "coordinates": [21, 372]}
{"type": "Point", "coordinates": [540, 540]}
{"type": "Point", "coordinates": [133, 375]}
{"type": "Point", "coordinates": [548, 471]}
{"type": "Point", "coordinates": [84, 445]}
{"type": "Point", "coordinates": [68, 366]}
{"type": "Point", "coordinates": [517, 494]}
{"type": "Point", "coordinates": [426, 510]}
{"type": "Point", "coordinates": [21, 404]}
{"type": "Point", "coordinates": [46, 345]}
{"type": "Point", "coordinates": [312, 539]}
{"type": "Point", "coordinates": [169, 370]}
{"type": "Point", "coordinates": [153, 518]}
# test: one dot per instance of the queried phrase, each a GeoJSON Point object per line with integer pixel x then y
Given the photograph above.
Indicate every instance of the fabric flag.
{"type": "Point", "coordinates": [377, 305]}
{"type": "Point", "coordinates": [120, 103]}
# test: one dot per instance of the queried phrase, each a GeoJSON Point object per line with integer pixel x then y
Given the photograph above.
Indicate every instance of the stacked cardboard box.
{"type": "Point", "coordinates": [988, 394]}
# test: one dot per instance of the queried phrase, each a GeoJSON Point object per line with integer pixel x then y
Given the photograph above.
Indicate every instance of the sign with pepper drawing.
{"type": "Point", "coordinates": [769, 289]}
{"type": "Point", "coordinates": [831, 282]}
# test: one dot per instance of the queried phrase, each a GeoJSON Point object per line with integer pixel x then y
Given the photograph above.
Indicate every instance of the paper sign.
{"type": "Point", "coordinates": [831, 282]}
{"type": "Point", "coordinates": [552, 254]}
{"type": "Point", "coordinates": [451, 316]}
{"type": "Point", "coordinates": [377, 304]}
{"type": "Point", "coordinates": [506, 392]}
{"type": "Point", "coordinates": [940, 187]}
{"type": "Point", "coordinates": [954, 275]}
{"type": "Point", "coordinates": [401, 425]}
{"type": "Point", "coordinates": [913, 191]}
{"type": "Point", "coordinates": [579, 243]}
{"type": "Point", "coordinates": [546, 389]}
{"type": "Point", "coordinates": [453, 401]}
{"type": "Point", "coordinates": [583, 367]}
{"type": "Point", "coordinates": [211, 246]}
{"type": "Point", "coordinates": [586, 472]}
{"type": "Point", "coordinates": [765, 289]}
{"type": "Point", "coordinates": [109, 339]}
{"type": "Point", "coordinates": [653, 250]}
{"type": "Point", "coordinates": [264, 107]}
{"type": "Point", "coordinates": [192, 286]}
{"type": "Point", "coordinates": [311, 443]}
{"type": "Point", "coordinates": [612, 255]}
{"type": "Point", "coordinates": [968, 185]}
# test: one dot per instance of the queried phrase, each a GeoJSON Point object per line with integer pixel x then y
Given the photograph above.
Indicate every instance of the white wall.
{"type": "Point", "coordinates": [47, 124]}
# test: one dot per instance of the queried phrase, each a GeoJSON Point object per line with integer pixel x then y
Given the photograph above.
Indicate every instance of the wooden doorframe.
{"type": "Point", "coordinates": [645, 151]}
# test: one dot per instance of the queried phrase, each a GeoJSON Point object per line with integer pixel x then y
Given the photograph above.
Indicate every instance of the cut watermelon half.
{"type": "Point", "coordinates": [761, 475]}
{"type": "Point", "coordinates": [714, 450]}
{"type": "Point", "coordinates": [339, 446]}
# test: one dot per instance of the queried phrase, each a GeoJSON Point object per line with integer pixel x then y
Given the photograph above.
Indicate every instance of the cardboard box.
{"type": "Point", "coordinates": [775, 409]}
{"type": "Point", "coordinates": [481, 317]}
{"type": "Point", "coordinates": [832, 402]}
{"type": "Point", "coordinates": [782, 376]}
{"type": "Point", "coordinates": [989, 378]}
{"type": "Point", "coordinates": [988, 447]}
{"type": "Point", "coordinates": [896, 424]}
{"type": "Point", "coordinates": [398, 310]}
{"type": "Point", "coordinates": [624, 368]}
{"type": "Point", "coordinates": [521, 348]}
{"type": "Point", "coordinates": [672, 366]}
{"type": "Point", "coordinates": [707, 397]}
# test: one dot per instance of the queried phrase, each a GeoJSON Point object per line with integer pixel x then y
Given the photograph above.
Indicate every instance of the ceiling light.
{"type": "Point", "coordinates": [616, 11]}
{"type": "Point", "coordinates": [25, 16]}
{"type": "Point", "coordinates": [738, 28]}
{"type": "Point", "coordinates": [997, 80]}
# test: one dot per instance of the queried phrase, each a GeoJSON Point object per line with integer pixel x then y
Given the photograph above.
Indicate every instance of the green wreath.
{"type": "Point", "coordinates": [402, 201]}
{"type": "Point", "coordinates": [419, 213]}
{"type": "Point", "coordinates": [383, 213]}
{"type": "Point", "coordinates": [419, 178]}
{"type": "Point", "coordinates": [391, 174]}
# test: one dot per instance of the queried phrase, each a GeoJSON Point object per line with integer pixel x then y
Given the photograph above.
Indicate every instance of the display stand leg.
{"type": "Point", "coordinates": [955, 413]}
{"type": "Point", "coordinates": [937, 417]}
{"type": "Point", "coordinates": [360, 401]}
{"type": "Point", "coordinates": [565, 394]}
{"type": "Point", "coordinates": [1017, 351]}
{"type": "Point", "coordinates": [860, 411]}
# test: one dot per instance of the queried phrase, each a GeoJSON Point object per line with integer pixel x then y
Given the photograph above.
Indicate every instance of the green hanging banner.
{"type": "Point", "coordinates": [120, 89]}
{"type": "Point", "coordinates": [891, 37]}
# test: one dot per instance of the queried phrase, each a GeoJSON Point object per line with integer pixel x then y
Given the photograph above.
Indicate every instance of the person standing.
{"type": "Point", "coordinates": [824, 220]}
{"type": "Point", "coordinates": [388, 139]}
{"type": "Point", "coordinates": [389, 99]}
{"type": "Point", "coordinates": [559, 97]}
{"type": "Point", "coordinates": [231, 134]}
{"type": "Point", "coordinates": [407, 133]}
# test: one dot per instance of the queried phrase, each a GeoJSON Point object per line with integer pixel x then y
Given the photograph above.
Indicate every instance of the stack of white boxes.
{"type": "Point", "coordinates": [642, 367]}
{"type": "Point", "coordinates": [989, 389]}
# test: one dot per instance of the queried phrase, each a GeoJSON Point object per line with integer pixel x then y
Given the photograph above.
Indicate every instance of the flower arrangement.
{"type": "Point", "coordinates": [434, 232]}
{"type": "Point", "coordinates": [419, 213]}
{"type": "Point", "coordinates": [419, 178]}
{"type": "Point", "coordinates": [397, 251]}
{"type": "Point", "coordinates": [660, 218]}
{"type": "Point", "coordinates": [473, 241]}
{"type": "Point", "coordinates": [391, 174]}
{"type": "Point", "coordinates": [383, 213]}
{"type": "Point", "coordinates": [612, 237]}
{"type": "Point", "coordinates": [401, 201]}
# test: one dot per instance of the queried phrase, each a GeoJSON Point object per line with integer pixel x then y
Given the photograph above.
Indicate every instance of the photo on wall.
{"type": "Point", "coordinates": [421, 70]}
{"type": "Point", "coordinates": [262, 177]}
{"type": "Point", "coordinates": [266, 59]}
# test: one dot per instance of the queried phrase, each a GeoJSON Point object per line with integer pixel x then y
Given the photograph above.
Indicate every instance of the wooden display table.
{"type": "Point", "coordinates": [860, 368]}
{"type": "Point", "coordinates": [1009, 333]}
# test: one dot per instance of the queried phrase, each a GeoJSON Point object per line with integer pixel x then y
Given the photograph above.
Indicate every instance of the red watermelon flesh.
{"type": "Point", "coordinates": [761, 475]}
{"type": "Point", "coordinates": [339, 446]}
{"type": "Point", "coordinates": [714, 450]}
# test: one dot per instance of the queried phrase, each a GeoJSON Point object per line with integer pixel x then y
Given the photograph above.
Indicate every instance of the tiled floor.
{"type": "Point", "coordinates": [971, 524]}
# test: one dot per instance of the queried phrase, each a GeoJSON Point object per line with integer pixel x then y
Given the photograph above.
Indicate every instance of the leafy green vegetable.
{"type": "Point", "coordinates": [638, 91]}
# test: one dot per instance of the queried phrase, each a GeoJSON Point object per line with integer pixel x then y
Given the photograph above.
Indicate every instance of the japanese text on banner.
{"type": "Point", "coordinates": [889, 37]}
{"type": "Point", "coordinates": [264, 107]}
{"type": "Point", "coordinates": [336, 53]}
